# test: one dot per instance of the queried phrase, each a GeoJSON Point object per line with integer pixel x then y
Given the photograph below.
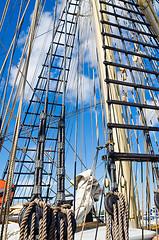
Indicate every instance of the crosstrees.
{"type": "Point", "coordinates": [134, 157]}
{"type": "Point", "coordinates": [137, 127]}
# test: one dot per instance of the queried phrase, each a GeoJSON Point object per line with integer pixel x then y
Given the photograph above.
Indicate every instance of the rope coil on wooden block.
{"type": "Point", "coordinates": [47, 221]}
{"type": "Point", "coordinates": [119, 218]}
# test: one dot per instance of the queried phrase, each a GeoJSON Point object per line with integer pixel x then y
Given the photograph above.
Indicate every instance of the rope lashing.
{"type": "Point", "coordinates": [48, 223]}
{"type": "Point", "coordinates": [117, 216]}
{"type": "Point", "coordinates": [104, 146]}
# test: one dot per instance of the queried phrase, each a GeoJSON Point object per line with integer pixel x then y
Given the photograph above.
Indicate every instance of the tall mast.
{"type": "Point", "coordinates": [118, 146]}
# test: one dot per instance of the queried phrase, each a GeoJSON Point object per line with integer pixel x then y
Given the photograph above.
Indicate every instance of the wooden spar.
{"type": "Point", "coordinates": [147, 8]}
{"type": "Point", "coordinates": [120, 136]}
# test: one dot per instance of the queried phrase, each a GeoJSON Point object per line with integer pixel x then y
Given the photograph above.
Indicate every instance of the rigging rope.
{"type": "Point", "coordinates": [46, 229]}
{"type": "Point", "coordinates": [10, 64]}
{"type": "Point", "coordinates": [76, 127]}
{"type": "Point", "coordinates": [120, 219]}
{"type": "Point", "coordinates": [9, 181]}
{"type": "Point", "coordinates": [4, 14]}
{"type": "Point", "coordinates": [21, 22]}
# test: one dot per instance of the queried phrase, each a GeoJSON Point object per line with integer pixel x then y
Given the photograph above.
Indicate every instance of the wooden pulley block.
{"type": "Point", "coordinates": [106, 182]}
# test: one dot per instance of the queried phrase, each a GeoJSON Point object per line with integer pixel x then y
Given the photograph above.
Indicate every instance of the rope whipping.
{"type": "Point", "coordinates": [53, 223]}
{"type": "Point", "coordinates": [120, 219]}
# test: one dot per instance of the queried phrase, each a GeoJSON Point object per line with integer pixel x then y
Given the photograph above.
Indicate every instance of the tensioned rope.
{"type": "Point", "coordinates": [10, 173]}
{"type": "Point", "coordinates": [43, 223]}
{"type": "Point", "coordinates": [13, 7]}
{"type": "Point", "coordinates": [4, 14]}
{"type": "Point", "coordinates": [18, 71]}
{"type": "Point", "coordinates": [18, 89]}
{"type": "Point", "coordinates": [21, 22]}
{"type": "Point", "coordinates": [46, 154]}
{"type": "Point", "coordinates": [10, 64]}
{"type": "Point", "coordinates": [77, 99]}
{"type": "Point", "coordinates": [121, 204]}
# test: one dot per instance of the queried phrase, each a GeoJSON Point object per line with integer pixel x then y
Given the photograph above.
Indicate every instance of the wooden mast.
{"type": "Point", "coordinates": [119, 137]}
{"type": "Point", "coordinates": [147, 8]}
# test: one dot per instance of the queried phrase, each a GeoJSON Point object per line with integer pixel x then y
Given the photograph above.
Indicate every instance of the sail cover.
{"type": "Point", "coordinates": [88, 192]}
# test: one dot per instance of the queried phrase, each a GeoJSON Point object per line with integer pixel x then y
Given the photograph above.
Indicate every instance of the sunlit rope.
{"type": "Point", "coordinates": [17, 126]}
{"type": "Point", "coordinates": [22, 18]}
{"type": "Point", "coordinates": [4, 14]}
{"type": "Point", "coordinates": [44, 231]}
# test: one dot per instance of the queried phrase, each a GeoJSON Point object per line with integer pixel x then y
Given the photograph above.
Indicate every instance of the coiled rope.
{"type": "Point", "coordinates": [46, 231]}
{"type": "Point", "coordinates": [119, 221]}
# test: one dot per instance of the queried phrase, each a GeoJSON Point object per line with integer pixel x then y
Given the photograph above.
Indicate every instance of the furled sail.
{"type": "Point", "coordinates": [88, 192]}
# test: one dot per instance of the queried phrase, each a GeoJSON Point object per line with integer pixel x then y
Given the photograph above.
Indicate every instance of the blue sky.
{"type": "Point", "coordinates": [40, 49]}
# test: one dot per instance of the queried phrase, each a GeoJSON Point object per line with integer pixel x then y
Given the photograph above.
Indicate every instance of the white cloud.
{"type": "Point", "coordinates": [39, 51]}
{"type": "Point", "coordinates": [42, 43]}
{"type": "Point", "coordinates": [83, 86]}
{"type": "Point", "coordinates": [151, 115]}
